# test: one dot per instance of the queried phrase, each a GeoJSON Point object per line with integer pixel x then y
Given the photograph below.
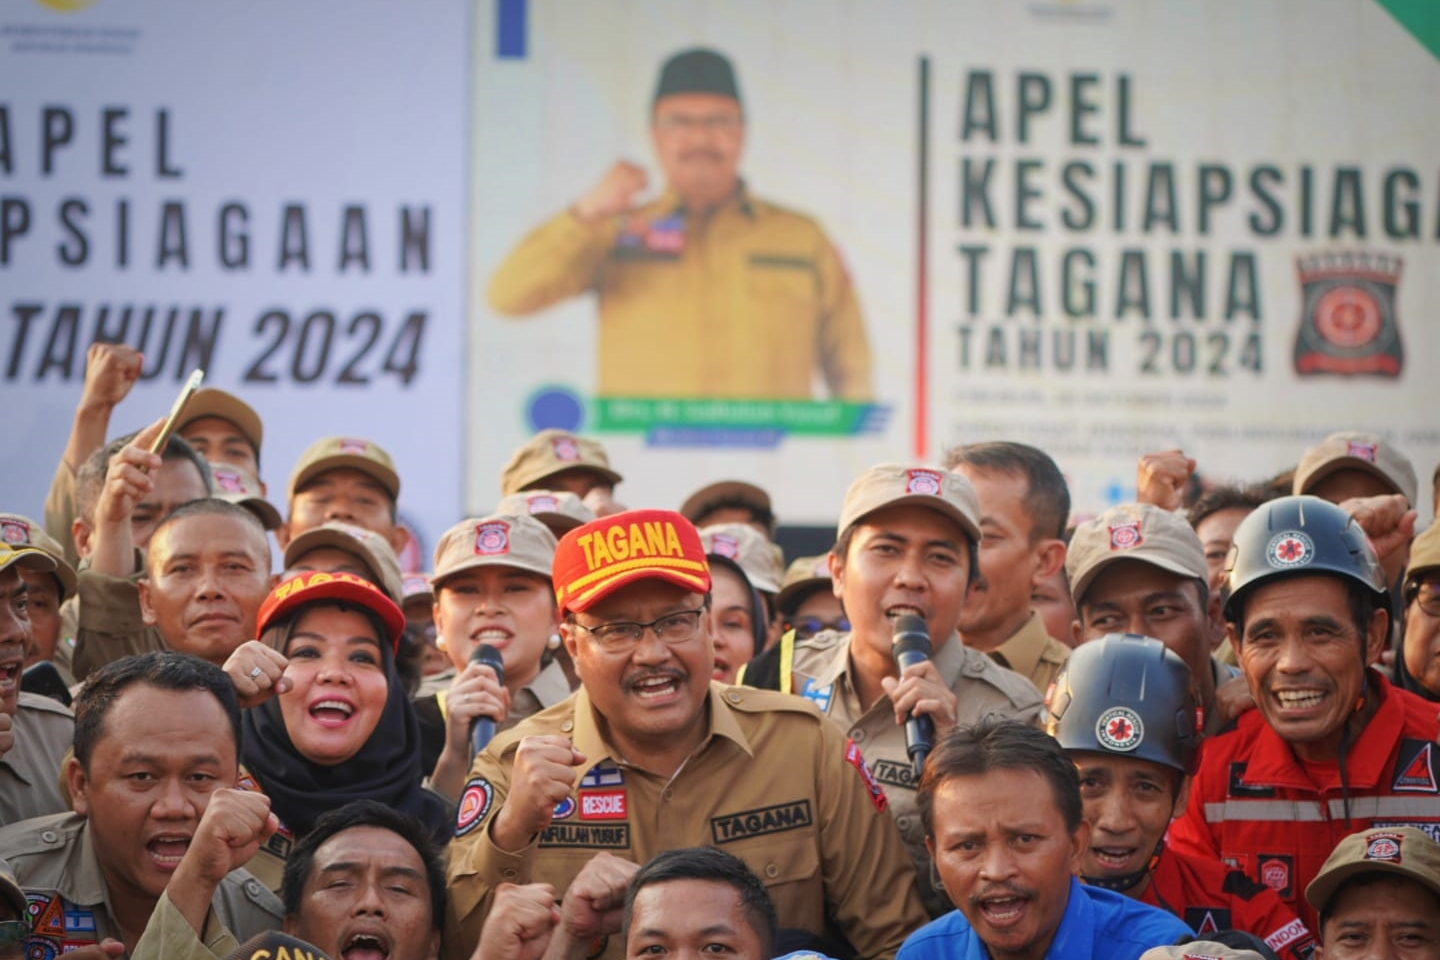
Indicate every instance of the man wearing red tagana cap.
{"type": "Point", "coordinates": [649, 755]}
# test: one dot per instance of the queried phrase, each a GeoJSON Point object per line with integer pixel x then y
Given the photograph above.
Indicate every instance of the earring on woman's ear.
{"type": "Point", "coordinates": [553, 642]}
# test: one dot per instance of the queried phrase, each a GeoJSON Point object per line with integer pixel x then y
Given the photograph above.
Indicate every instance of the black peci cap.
{"type": "Point", "coordinates": [697, 71]}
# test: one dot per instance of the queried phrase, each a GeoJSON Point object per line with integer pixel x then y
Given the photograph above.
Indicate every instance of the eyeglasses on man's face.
{"type": "Point", "coordinates": [672, 629]}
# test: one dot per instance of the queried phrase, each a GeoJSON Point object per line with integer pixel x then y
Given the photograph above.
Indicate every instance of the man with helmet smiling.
{"type": "Point", "coordinates": [1333, 747]}
{"type": "Point", "coordinates": [1124, 710]}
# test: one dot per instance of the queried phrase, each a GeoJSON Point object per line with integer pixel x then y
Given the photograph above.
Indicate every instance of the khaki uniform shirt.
{"type": "Point", "coordinates": [30, 771]}
{"type": "Point", "coordinates": [109, 625]}
{"type": "Point", "coordinates": [1033, 654]}
{"type": "Point", "coordinates": [772, 783]}
{"type": "Point", "coordinates": [59, 511]}
{"type": "Point", "coordinates": [53, 858]}
{"type": "Point", "coordinates": [169, 936]}
{"type": "Point", "coordinates": [750, 300]}
{"type": "Point", "coordinates": [822, 674]}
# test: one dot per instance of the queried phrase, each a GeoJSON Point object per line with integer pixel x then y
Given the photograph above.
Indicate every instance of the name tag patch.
{"type": "Point", "coordinates": [729, 827]}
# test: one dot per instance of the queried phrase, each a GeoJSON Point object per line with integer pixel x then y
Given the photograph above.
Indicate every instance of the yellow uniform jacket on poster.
{"type": "Point", "coordinates": [750, 300]}
{"type": "Point", "coordinates": [54, 863]}
{"type": "Point", "coordinates": [822, 676]}
{"type": "Point", "coordinates": [773, 783]}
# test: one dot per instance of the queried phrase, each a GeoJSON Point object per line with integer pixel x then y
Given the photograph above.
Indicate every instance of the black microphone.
{"type": "Point", "coordinates": [482, 729]}
{"type": "Point", "coordinates": [910, 646]}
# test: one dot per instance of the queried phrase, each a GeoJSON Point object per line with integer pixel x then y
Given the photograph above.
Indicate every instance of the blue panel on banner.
{"type": "Point", "coordinates": [713, 437]}
{"type": "Point", "coordinates": [510, 29]}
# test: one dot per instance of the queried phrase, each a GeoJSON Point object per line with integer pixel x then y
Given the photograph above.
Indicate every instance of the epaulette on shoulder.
{"type": "Point", "coordinates": [755, 700]}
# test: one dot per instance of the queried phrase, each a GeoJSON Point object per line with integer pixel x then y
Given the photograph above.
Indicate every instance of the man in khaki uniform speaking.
{"type": "Point", "coordinates": [648, 755]}
{"type": "Point", "coordinates": [907, 544]}
{"type": "Point", "coordinates": [706, 290]}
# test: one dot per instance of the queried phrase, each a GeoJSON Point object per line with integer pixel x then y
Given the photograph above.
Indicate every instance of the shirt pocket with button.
{"type": "Point", "coordinates": [782, 284]}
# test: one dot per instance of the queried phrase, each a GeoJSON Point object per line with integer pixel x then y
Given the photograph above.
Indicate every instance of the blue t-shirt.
{"type": "Point", "coordinates": [1097, 925]}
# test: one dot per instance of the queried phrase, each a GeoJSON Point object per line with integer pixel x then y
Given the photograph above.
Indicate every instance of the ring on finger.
{"type": "Point", "coordinates": [255, 672]}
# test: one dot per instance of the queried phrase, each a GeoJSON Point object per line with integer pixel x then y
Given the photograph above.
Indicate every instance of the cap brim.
{"type": "Point", "coordinates": [930, 502]}
{"type": "Point", "coordinates": [558, 523]}
{"type": "Point", "coordinates": [31, 558]}
{"type": "Point", "coordinates": [791, 590]}
{"type": "Point", "coordinates": [318, 537]}
{"type": "Point", "coordinates": [1083, 582]}
{"type": "Point", "coordinates": [524, 484]}
{"type": "Point", "coordinates": [213, 402]}
{"type": "Point", "coordinates": [582, 600]}
{"type": "Point", "coordinates": [732, 490]}
{"type": "Point", "coordinates": [389, 613]}
{"type": "Point", "coordinates": [507, 560]}
{"type": "Point", "coordinates": [1323, 887]}
{"type": "Point", "coordinates": [1329, 467]}
{"type": "Point", "coordinates": [263, 509]}
{"type": "Point", "coordinates": [387, 478]}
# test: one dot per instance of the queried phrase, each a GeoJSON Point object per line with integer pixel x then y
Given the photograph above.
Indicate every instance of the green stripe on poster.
{"type": "Point", "coordinates": [1420, 17]}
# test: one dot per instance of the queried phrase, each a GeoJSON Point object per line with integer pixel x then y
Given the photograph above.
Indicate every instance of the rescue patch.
{"type": "Point", "coordinates": [1277, 871]}
{"type": "Point", "coordinates": [923, 481]}
{"type": "Point", "coordinates": [602, 805]}
{"type": "Point", "coordinates": [1289, 549]}
{"type": "Point", "coordinates": [541, 503]}
{"type": "Point", "coordinates": [492, 538]}
{"type": "Point", "coordinates": [475, 802]}
{"type": "Point", "coordinates": [14, 532]}
{"type": "Point", "coordinates": [877, 793]}
{"type": "Point", "coordinates": [612, 836]}
{"type": "Point", "coordinates": [563, 809]}
{"type": "Point", "coordinates": [1384, 847]}
{"type": "Point", "coordinates": [357, 447]}
{"type": "Point", "coordinates": [1120, 728]}
{"type": "Point", "coordinates": [1125, 536]}
{"type": "Point", "coordinates": [895, 774]}
{"type": "Point", "coordinates": [1415, 773]}
{"type": "Point", "coordinates": [779, 818]}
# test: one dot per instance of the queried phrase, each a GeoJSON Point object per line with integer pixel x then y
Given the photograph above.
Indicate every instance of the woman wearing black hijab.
{"type": "Point", "coordinates": [329, 720]}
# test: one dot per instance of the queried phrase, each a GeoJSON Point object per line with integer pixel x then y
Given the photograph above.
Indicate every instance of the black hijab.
{"type": "Point", "coordinates": [386, 768]}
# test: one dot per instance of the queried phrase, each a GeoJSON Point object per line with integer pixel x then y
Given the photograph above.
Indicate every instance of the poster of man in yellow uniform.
{"type": "Point", "coordinates": [706, 290]}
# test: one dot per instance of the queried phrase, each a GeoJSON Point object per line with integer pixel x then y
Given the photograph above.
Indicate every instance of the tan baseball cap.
{"type": "Point", "coordinates": [499, 540]}
{"type": "Point", "coordinates": [1356, 451]}
{"type": "Point", "coordinates": [213, 402]}
{"type": "Point", "coordinates": [371, 549]}
{"type": "Point", "coordinates": [1132, 531]}
{"type": "Point", "coordinates": [748, 549]}
{"type": "Point", "coordinates": [560, 510]}
{"type": "Point", "coordinates": [725, 491]}
{"type": "Point", "coordinates": [804, 573]}
{"type": "Point", "coordinates": [550, 452]}
{"type": "Point", "coordinates": [240, 488]}
{"type": "Point", "coordinates": [1404, 851]}
{"type": "Point", "coordinates": [20, 532]}
{"type": "Point", "coordinates": [332, 453]}
{"type": "Point", "coordinates": [31, 558]}
{"type": "Point", "coordinates": [416, 586]}
{"type": "Point", "coordinates": [1425, 550]}
{"type": "Point", "coordinates": [895, 484]}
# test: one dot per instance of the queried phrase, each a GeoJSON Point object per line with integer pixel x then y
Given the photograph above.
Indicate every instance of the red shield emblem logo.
{"type": "Point", "coordinates": [565, 448]}
{"type": "Point", "coordinates": [1348, 324]}
{"type": "Point", "coordinates": [1125, 536]}
{"type": "Point", "coordinates": [923, 481]}
{"type": "Point", "coordinates": [14, 532]}
{"type": "Point", "coordinates": [492, 539]}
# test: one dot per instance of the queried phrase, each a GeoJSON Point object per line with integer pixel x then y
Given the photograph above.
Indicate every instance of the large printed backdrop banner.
{"type": "Point", "coordinates": [271, 191]}
{"type": "Point", "coordinates": [1100, 227]}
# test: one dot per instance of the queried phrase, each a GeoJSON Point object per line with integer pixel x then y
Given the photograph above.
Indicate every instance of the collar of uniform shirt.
{"type": "Point", "coordinates": [588, 740]}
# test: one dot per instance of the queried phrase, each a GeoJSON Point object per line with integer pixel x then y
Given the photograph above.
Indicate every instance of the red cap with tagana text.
{"type": "Point", "coordinates": [598, 558]}
{"type": "Point", "coordinates": [316, 585]}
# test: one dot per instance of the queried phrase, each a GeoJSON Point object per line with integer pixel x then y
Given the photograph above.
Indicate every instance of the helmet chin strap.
{"type": "Point", "coordinates": [1129, 881]}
